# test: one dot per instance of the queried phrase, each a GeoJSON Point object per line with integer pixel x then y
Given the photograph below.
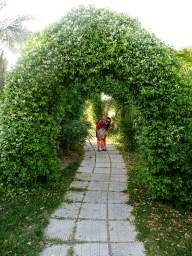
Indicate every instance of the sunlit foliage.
{"type": "Point", "coordinates": [89, 51]}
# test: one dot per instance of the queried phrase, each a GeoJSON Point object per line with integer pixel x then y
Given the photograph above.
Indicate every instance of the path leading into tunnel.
{"type": "Point", "coordinates": [97, 222]}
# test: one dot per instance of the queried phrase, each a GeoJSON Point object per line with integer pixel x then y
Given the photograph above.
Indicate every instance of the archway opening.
{"type": "Point", "coordinates": [88, 52]}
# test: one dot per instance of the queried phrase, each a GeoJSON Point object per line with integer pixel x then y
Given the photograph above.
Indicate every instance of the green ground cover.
{"type": "Point", "coordinates": [163, 229]}
{"type": "Point", "coordinates": [23, 218]}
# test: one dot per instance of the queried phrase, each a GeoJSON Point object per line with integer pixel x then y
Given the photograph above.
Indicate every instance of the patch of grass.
{"type": "Point", "coordinates": [77, 189]}
{"type": "Point", "coordinates": [163, 229]}
{"type": "Point", "coordinates": [69, 201]}
{"type": "Point", "coordinates": [24, 218]}
{"type": "Point", "coordinates": [70, 251]}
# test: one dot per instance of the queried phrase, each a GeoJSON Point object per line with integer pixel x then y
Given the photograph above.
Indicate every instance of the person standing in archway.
{"type": "Point", "coordinates": [100, 124]}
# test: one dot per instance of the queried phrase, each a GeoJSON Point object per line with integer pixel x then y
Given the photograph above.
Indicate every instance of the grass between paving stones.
{"type": "Point", "coordinates": [163, 229]}
{"type": "Point", "coordinates": [24, 218]}
{"type": "Point", "coordinates": [77, 189]}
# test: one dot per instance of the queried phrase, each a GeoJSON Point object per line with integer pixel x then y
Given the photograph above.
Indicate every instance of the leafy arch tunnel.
{"type": "Point", "coordinates": [90, 51]}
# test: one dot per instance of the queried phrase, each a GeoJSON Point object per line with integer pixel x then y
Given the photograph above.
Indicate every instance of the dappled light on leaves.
{"type": "Point", "coordinates": [88, 52]}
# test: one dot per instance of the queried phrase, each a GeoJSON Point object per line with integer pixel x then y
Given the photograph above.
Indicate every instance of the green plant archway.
{"type": "Point", "coordinates": [89, 51]}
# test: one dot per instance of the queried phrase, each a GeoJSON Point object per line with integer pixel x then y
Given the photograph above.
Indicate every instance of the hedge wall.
{"type": "Point", "coordinates": [97, 44]}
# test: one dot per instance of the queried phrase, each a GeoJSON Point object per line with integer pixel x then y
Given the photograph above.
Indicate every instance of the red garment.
{"type": "Point", "coordinates": [100, 125]}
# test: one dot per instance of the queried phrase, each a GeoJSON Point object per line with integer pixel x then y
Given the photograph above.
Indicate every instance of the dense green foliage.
{"type": "Point", "coordinates": [89, 51]}
{"type": "Point", "coordinates": [97, 108]}
{"type": "Point", "coordinates": [23, 218]}
{"type": "Point", "coordinates": [72, 132]}
{"type": "Point", "coordinates": [3, 67]}
{"type": "Point", "coordinates": [127, 127]}
{"type": "Point", "coordinates": [186, 55]}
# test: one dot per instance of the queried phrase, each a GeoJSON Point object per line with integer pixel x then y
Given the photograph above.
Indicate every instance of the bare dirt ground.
{"type": "Point", "coordinates": [68, 157]}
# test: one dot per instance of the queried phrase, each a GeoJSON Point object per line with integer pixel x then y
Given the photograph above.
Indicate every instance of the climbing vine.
{"type": "Point", "coordinates": [88, 51]}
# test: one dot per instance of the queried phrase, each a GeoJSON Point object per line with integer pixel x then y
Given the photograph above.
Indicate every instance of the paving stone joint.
{"type": "Point", "coordinates": [98, 222]}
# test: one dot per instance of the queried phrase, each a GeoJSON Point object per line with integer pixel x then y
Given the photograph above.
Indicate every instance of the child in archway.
{"type": "Point", "coordinates": [102, 128]}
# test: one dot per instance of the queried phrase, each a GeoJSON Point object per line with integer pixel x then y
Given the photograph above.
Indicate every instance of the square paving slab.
{"type": "Point", "coordinates": [117, 198]}
{"type": "Point", "coordinates": [121, 231]}
{"type": "Point", "coordinates": [90, 153]}
{"type": "Point", "coordinates": [90, 158]}
{"type": "Point", "coordinates": [118, 171]}
{"type": "Point", "coordinates": [103, 160]}
{"type": "Point", "coordinates": [98, 164]}
{"type": "Point", "coordinates": [88, 164]}
{"type": "Point", "coordinates": [91, 249]}
{"type": "Point", "coordinates": [102, 155]}
{"type": "Point", "coordinates": [100, 177]}
{"type": "Point", "coordinates": [95, 197]}
{"type": "Point", "coordinates": [79, 184]}
{"type": "Point", "coordinates": [60, 229]}
{"type": "Point", "coordinates": [119, 211]}
{"type": "Point", "coordinates": [111, 151]}
{"type": "Point", "coordinates": [85, 169]}
{"type": "Point", "coordinates": [83, 176]}
{"type": "Point", "coordinates": [117, 186]}
{"type": "Point", "coordinates": [110, 147]}
{"type": "Point", "coordinates": [88, 148]}
{"type": "Point", "coordinates": [76, 196]}
{"type": "Point", "coordinates": [98, 185]}
{"type": "Point", "coordinates": [91, 230]}
{"type": "Point", "coordinates": [66, 210]}
{"type": "Point", "coordinates": [126, 249]}
{"type": "Point", "coordinates": [56, 250]}
{"type": "Point", "coordinates": [118, 178]}
{"type": "Point", "coordinates": [102, 170]}
{"type": "Point", "coordinates": [117, 159]}
{"type": "Point", "coordinates": [93, 211]}
{"type": "Point", "coordinates": [118, 165]}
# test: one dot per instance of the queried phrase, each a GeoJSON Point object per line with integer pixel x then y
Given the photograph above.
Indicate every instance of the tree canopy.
{"type": "Point", "coordinates": [89, 51]}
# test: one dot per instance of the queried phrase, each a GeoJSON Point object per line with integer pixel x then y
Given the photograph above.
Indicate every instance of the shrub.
{"type": "Point", "coordinates": [72, 132]}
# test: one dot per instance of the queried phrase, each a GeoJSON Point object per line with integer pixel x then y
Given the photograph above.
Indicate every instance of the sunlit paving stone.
{"type": "Point", "coordinates": [91, 230]}
{"type": "Point", "coordinates": [126, 249]}
{"type": "Point", "coordinates": [88, 148]}
{"type": "Point", "coordinates": [118, 165]}
{"type": "Point", "coordinates": [56, 250]}
{"type": "Point", "coordinates": [90, 165]}
{"type": "Point", "coordinates": [103, 160]}
{"type": "Point", "coordinates": [102, 203]}
{"type": "Point", "coordinates": [119, 211]}
{"type": "Point", "coordinates": [117, 160]}
{"type": "Point", "coordinates": [110, 147]}
{"type": "Point", "coordinates": [101, 157]}
{"type": "Point", "coordinates": [102, 170]}
{"type": "Point", "coordinates": [95, 197]}
{"type": "Point", "coordinates": [90, 153]}
{"type": "Point", "coordinates": [98, 164]}
{"type": "Point", "coordinates": [79, 184]}
{"type": "Point", "coordinates": [76, 196]}
{"type": "Point", "coordinates": [83, 176]}
{"type": "Point", "coordinates": [100, 177]}
{"type": "Point", "coordinates": [111, 151]}
{"type": "Point", "coordinates": [90, 161]}
{"type": "Point", "coordinates": [98, 185]}
{"type": "Point", "coordinates": [91, 249]}
{"type": "Point", "coordinates": [122, 231]}
{"type": "Point", "coordinates": [117, 186]}
{"type": "Point", "coordinates": [93, 211]}
{"type": "Point", "coordinates": [60, 229]}
{"type": "Point", "coordinates": [67, 210]}
{"type": "Point", "coordinates": [118, 171]}
{"type": "Point", "coordinates": [118, 178]}
{"type": "Point", "coordinates": [85, 169]}
{"type": "Point", "coordinates": [117, 198]}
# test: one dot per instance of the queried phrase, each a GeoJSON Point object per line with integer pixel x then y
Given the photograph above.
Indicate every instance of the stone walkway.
{"type": "Point", "coordinates": [98, 222]}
